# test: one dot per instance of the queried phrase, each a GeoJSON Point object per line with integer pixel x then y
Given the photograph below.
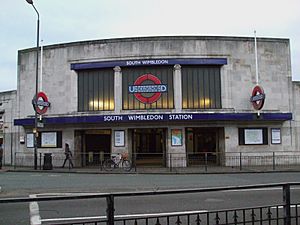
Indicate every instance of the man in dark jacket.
{"type": "Point", "coordinates": [68, 155]}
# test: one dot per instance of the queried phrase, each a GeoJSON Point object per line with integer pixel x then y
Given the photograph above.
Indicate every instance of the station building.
{"type": "Point", "coordinates": [8, 132]}
{"type": "Point", "coordinates": [167, 101]}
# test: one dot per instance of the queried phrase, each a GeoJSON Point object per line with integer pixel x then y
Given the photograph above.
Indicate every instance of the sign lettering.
{"type": "Point", "coordinates": [148, 117]}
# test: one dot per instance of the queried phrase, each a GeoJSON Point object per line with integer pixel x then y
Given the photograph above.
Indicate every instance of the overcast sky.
{"type": "Point", "coordinates": [78, 20]}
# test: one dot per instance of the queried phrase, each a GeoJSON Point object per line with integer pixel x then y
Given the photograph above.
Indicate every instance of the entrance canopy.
{"type": "Point", "coordinates": [166, 117]}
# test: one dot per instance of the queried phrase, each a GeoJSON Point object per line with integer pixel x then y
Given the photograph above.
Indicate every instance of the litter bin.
{"type": "Point", "coordinates": [47, 161]}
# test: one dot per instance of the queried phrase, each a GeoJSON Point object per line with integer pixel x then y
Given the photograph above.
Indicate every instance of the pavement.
{"type": "Point", "coordinates": [160, 170]}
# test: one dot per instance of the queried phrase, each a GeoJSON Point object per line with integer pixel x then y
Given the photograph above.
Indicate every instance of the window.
{"type": "Point", "coordinates": [253, 136]}
{"type": "Point", "coordinates": [96, 90]}
{"type": "Point", "coordinates": [201, 87]}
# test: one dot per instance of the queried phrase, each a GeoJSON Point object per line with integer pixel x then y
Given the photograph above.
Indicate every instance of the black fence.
{"type": "Point", "coordinates": [285, 213]}
{"type": "Point", "coordinates": [172, 162]}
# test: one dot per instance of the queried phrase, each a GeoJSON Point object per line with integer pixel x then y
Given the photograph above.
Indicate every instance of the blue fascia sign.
{"type": "Point", "coordinates": [167, 117]}
{"type": "Point", "coordinates": [149, 62]}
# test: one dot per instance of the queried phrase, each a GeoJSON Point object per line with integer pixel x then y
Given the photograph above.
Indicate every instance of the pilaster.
{"type": "Point", "coordinates": [118, 89]}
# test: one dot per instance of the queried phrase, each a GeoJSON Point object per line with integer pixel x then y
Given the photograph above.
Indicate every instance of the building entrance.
{"type": "Point", "coordinates": [202, 145]}
{"type": "Point", "coordinates": [149, 146]}
{"type": "Point", "coordinates": [97, 146]}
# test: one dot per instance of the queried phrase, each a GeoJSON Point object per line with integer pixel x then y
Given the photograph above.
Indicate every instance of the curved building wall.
{"type": "Point", "coordinates": [273, 57]}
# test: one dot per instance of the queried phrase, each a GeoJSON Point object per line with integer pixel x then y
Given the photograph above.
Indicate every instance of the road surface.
{"type": "Point", "coordinates": [51, 184]}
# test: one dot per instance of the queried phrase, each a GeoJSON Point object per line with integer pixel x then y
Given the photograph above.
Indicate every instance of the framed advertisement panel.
{"type": "Point", "coordinates": [253, 136]}
{"type": "Point", "coordinates": [29, 140]}
{"type": "Point", "coordinates": [275, 136]}
{"type": "Point", "coordinates": [49, 140]}
{"type": "Point", "coordinates": [176, 137]}
{"type": "Point", "coordinates": [119, 137]}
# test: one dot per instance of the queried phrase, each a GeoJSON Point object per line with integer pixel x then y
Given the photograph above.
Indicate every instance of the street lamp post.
{"type": "Point", "coordinates": [36, 83]}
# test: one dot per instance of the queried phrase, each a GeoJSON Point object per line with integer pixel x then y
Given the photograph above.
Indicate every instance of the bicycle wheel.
{"type": "Point", "coordinates": [108, 165]}
{"type": "Point", "coordinates": [126, 165]}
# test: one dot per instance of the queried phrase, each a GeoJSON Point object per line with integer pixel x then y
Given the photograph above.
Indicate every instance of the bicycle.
{"type": "Point", "coordinates": [116, 162]}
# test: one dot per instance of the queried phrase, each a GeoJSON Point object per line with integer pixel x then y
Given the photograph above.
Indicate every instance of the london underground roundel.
{"type": "Point", "coordinates": [40, 103]}
{"type": "Point", "coordinates": [147, 88]}
{"type": "Point", "coordinates": [258, 97]}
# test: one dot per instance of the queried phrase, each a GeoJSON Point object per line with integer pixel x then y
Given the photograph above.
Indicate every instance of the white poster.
{"type": "Point", "coordinates": [48, 139]}
{"type": "Point", "coordinates": [29, 140]}
{"type": "Point", "coordinates": [253, 136]}
{"type": "Point", "coordinates": [119, 138]}
{"type": "Point", "coordinates": [276, 136]}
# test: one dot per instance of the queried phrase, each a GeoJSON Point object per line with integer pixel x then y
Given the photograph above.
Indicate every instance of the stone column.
{"type": "Point", "coordinates": [177, 88]}
{"type": "Point", "coordinates": [118, 89]}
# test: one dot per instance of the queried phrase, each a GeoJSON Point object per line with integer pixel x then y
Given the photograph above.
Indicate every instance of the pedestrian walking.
{"type": "Point", "coordinates": [68, 155]}
{"type": "Point", "coordinates": [1, 156]}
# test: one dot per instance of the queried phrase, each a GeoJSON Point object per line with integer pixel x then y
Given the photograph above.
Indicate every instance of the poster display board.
{"type": "Point", "coordinates": [119, 138]}
{"type": "Point", "coordinates": [176, 137]}
{"type": "Point", "coordinates": [276, 135]}
{"type": "Point", "coordinates": [253, 136]}
{"type": "Point", "coordinates": [48, 140]}
{"type": "Point", "coordinates": [29, 140]}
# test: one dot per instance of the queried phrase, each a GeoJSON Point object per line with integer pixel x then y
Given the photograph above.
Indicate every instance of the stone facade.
{"type": "Point", "coordinates": [8, 132]}
{"type": "Point", "coordinates": [238, 77]}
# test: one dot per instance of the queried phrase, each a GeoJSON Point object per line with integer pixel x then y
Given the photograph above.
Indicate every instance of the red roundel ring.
{"type": "Point", "coordinates": [41, 97]}
{"type": "Point", "coordinates": [155, 96]}
{"type": "Point", "coordinates": [258, 104]}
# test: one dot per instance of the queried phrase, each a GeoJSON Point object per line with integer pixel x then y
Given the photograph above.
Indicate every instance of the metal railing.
{"type": "Point", "coordinates": [176, 162]}
{"type": "Point", "coordinates": [276, 214]}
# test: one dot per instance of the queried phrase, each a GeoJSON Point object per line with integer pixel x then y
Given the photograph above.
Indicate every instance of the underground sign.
{"type": "Point", "coordinates": [41, 103]}
{"type": "Point", "coordinates": [258, 97]}
{"type": "Point", "coordinates": [147, 88]}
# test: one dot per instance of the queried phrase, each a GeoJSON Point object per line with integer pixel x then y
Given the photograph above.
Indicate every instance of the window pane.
{"type": "Point", "coordinates": [96, 90]}
{"type": "Point", "coordinates": [201, 88]}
